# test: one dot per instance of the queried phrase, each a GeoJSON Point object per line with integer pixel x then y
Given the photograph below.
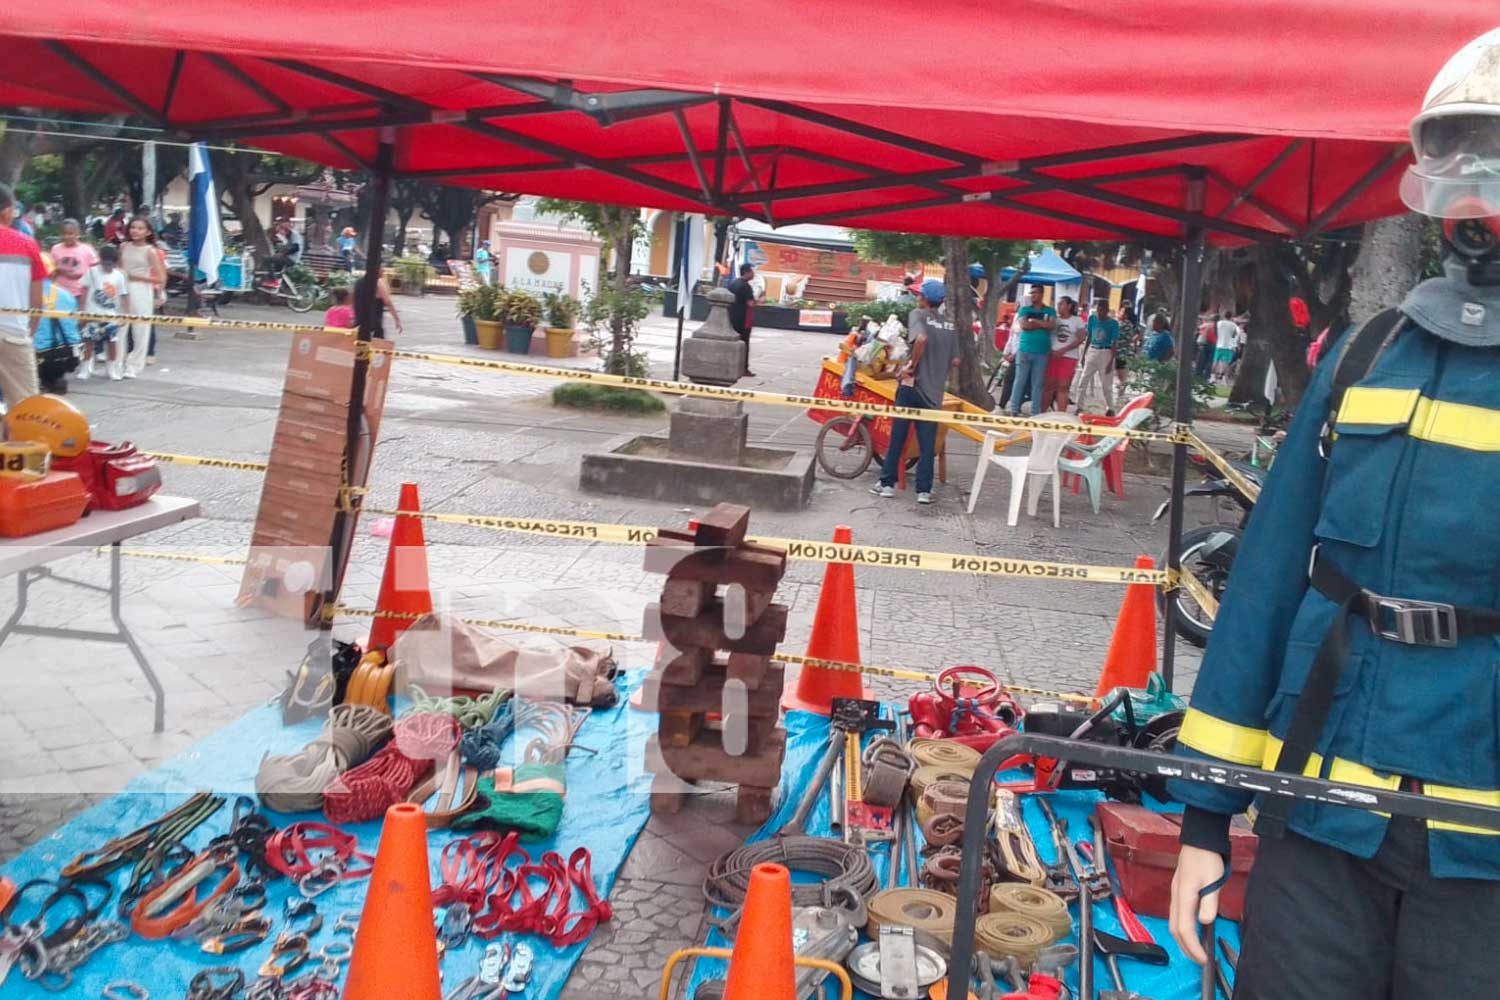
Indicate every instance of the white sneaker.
{"type": "Point", "coordinates": [924, 498]}
{"type": "Point", "coordinates": [129, 374]}
{"type": "Point", "coordinates": [115, 376]}
{"type": "Point", "coordinates": [82, 374]}
{"type": "Point", "coordinates": [884, 492]}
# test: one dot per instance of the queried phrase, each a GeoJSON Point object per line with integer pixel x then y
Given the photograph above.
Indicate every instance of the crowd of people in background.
{"type": "Point", "coordinates": [116, 266]}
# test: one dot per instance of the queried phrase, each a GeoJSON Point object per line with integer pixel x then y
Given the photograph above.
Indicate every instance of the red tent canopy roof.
{"type": "Point", "coordinates": [1076, 120]}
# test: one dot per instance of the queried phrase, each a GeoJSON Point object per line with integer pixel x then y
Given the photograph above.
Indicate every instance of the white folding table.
{"type": "Point", "coordinates": [27, 558]}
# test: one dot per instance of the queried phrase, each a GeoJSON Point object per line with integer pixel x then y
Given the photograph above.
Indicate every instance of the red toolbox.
{"type": "Point", "coordinates": [1143, 847]}
{"type": "Point", "coordinates": [31, 506]}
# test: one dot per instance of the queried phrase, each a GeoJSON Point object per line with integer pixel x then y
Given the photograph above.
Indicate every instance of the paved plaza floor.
{"type": "Point", "coordinates": [75, 722]}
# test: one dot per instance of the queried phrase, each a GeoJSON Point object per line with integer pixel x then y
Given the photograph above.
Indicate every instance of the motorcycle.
{"type": "Point", "coordinates": [1208, 551]}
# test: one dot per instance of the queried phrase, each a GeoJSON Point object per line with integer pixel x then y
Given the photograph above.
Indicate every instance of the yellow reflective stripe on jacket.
{"type": "Point", "coordinates": [1378, 407]}
{"type": "Point", "coordinates": [1456, 424]}
{"type": "Point", "coordinates": [1224, 740]}
{"type": "Point", "coordinates": [1352, 773]}
{"type": "Point", "coordinates": [1474, 796]}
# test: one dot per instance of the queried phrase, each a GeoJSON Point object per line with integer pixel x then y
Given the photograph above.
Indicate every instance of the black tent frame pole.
{"type": "Point", "coordinates": [1186, 322]}
{"type": "Point", "coordinates": [343, 529]}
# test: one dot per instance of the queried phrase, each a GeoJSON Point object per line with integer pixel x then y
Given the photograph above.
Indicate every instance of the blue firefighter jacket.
{"type": "Point", "coordinates": [1406, 506]}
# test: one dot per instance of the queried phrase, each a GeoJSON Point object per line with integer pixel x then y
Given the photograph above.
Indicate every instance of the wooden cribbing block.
{"type": "Point", "coordinates": [705, 760]}
{"type": "Point", "coordinates": [708, 695]}
{"type": "Point", "coordinates": [747, 668]}
{"type": "Point", "coordinates": [751, 566]}
{"type": "Point", "coordinates": [741, 735]}
{"type": "Point", "coordinates": [686, 598]}
{"type": "Point", "coordinates": [752, 805]}
{"type": "Point", "coordinates": [742, 606]}
{"type": "Point", "coordinates": [707, 630]}
{"type": "Point", "coordinates": [679, 729]}
{"type": "Point", "coordinates": [668, 792]}
{"type": "Point", "coordinates": [725, 525]}
{"type": "Point", "coordinates": [681, 667]}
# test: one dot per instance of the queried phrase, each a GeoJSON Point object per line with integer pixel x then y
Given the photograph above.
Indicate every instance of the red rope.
{"type": "Point", "coordinates": [366, 792]}
{"type": "Point", "coordinates": [300, 849]}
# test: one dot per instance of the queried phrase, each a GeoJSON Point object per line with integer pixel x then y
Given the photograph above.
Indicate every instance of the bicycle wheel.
{"type": "Point", "coordinates": [844, 447]}
{"type": "Point", "coordinates": [303, 299]}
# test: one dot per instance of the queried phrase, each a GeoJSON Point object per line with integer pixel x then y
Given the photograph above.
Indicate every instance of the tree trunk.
{"type": "Point", "coordinates": [16, 150]}
{"type": "Point", "coordinates": [1277, 340]}
{"type": "Point", "coordinates": [961, 310]}
{"type": "Point", "coordinates": [1389, 264]}
{"type": "Point", "coordinates": [990, 314]}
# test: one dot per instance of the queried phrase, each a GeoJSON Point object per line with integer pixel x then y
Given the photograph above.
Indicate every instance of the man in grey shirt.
{"type": "Point", "coordinates": [920, 384]}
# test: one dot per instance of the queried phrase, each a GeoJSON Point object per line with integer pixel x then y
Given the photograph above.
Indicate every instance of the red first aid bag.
{"type": "Point", "coordinates": [117, 476]}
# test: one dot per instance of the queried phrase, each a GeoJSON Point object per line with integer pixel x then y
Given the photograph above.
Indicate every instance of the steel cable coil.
{"type": "Point", "coordinates": [844, 868]}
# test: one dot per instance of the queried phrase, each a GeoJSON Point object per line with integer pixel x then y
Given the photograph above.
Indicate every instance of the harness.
{"type": "Point", "coordinates": [1395, 619]}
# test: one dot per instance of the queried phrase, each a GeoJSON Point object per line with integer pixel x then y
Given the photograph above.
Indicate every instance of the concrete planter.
{"type": "Point", "coordinates": [490, 334]}
{"type": "Point", "coordinates": [559, 342]}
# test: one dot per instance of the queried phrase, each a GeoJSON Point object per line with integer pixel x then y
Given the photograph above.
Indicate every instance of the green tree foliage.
{"type": "Point", "coordinates": [618, 226]}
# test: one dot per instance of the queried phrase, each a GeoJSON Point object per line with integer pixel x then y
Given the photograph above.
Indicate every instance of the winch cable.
{"type": "Point", "coordinates": [844, 868]}
{"type": "Point", "coordinates": [293, 783]}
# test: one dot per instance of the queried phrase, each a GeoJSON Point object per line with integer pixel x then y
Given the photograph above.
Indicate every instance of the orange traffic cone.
{"type": "Point", "coordinates": [404, 588]}
{"type": "Point", "coordinates": [395, 949]}
{"type": "Point", "coordinates": [762, 966]}
{"type": "Point", "coordinates": [835, 636]}
{"type": "Point", "coordinates": [1132, 649]}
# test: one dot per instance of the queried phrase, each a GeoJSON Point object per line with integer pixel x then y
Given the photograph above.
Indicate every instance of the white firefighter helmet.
{"type": "Point", "coordinates": [1456, 140]}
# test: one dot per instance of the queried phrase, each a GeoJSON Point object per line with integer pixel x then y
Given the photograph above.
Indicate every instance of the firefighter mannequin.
{"type": "Point", "coordinates": [1359, 638]}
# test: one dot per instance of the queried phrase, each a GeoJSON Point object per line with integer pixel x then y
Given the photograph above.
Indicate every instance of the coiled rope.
{"type": "Point", "coordinates": [419, 740]}
{"type": "Point", "coordinates": [480, 747]}
{"type": "Point", "coordinates": [471, 713]}
{"type": "Point", "coordinates": [844, 868]}
{"type": "Point", "coordinates": [292, 783]}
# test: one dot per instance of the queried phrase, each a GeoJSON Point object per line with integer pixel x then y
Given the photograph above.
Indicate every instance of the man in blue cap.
{"type": "Point", "coordinates": [920, 383]}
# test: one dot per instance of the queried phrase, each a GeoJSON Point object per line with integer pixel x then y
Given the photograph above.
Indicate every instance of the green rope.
{"type": "Point", "coordinates": [471, 713]}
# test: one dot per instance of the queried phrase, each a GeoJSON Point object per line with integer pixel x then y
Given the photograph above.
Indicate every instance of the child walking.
{"type": "Point", "coordinates": [104, 290]}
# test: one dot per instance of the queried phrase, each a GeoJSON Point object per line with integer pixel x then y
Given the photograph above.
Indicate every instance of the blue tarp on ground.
{"type": "Point", "coordinates": [807, 736]}
{"type": "Point", "coordinates": [603, 812]}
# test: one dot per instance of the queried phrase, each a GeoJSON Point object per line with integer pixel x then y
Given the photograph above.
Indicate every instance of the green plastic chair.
{"type": "Point", "coordinates": [1086, 461]}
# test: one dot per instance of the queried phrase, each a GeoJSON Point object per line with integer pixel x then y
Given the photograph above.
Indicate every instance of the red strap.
{"type": "Point", "coordinates": [576, 928]}
{"type": "Point", "coordinates": [299, 849]}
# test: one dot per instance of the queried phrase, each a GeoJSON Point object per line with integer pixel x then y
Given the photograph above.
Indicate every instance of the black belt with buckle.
{"type": "Point", "coordinates": [1400, 619]}
{"type": "Point", "coordinates": [1397, 619]}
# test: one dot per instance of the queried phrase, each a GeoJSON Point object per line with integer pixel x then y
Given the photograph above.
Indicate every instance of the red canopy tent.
{"type": "Point", "coordinates": [1063, 119]}
{"type": "Point", "coordinates": [1074, 120]}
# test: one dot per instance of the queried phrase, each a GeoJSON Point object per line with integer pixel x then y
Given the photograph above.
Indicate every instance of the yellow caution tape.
{"type": "Point", "coordinates": [213, 463]}
{"type": "Point", "coordinates": [820, 552]}
{"type": "Point", "coordinates": [191, 322]}
{"type": "Point", "coordinates": [1236, 478]}
{"type": "Point", "coordinates": [1199, 592]}
{"type": "Point", "coordinates": [334, 610]}
{"type": "Point", "coordinates": [180, 557]}
{"type": "Point", "coordinates": [985, 420]}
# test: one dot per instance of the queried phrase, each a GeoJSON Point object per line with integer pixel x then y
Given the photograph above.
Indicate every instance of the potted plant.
{"type": "Point", "coordinates": [468, 304]}
{"type": "Point", "coordinates": [489, 329]}
{"type": "Point", "coordinates": [562, 317]}
{"type": "Point", "coordinates": [413, 272]}
{"type": "Point", "coordinates": [521, 313]}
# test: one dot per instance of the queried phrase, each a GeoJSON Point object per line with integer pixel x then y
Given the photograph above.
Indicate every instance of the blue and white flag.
{"type": "Point", "coordinates": [206, 239]}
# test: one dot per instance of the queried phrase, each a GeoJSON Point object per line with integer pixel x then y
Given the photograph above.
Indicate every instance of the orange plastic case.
{"type": "Point", "coordinates": [29, 507]}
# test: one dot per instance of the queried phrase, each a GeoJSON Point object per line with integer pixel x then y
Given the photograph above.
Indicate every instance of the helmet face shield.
{"type": "Point", "coordinates": [1457, 173]}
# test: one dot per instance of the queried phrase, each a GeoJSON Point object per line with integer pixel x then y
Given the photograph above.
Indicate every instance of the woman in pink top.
{"type": "Point", "coordinates": [73, 258]}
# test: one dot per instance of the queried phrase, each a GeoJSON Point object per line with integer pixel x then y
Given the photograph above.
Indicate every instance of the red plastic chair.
{"type": "Point", "coordinates": [1114, 465]}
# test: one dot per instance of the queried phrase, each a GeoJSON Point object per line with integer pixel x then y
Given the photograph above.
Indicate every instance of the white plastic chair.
{"type": "Point", "coordinates": [1087, 460]}
{"type": "Point", "coordinates": [1029, 472]}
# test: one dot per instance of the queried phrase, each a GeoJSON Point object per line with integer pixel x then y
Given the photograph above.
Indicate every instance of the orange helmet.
{"type": "Point", "coordinates": [49, 420]}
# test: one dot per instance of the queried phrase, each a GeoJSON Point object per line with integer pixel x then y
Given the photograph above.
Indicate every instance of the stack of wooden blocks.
{"type": "Point", "coordinates": [718, 630]}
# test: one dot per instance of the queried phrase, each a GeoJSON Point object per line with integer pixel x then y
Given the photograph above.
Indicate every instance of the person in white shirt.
{"type": "Point", "coordinates": [1230, 338]}
{"type": "Point", "coordinates": [1067, 340]}
{"type": "Point", "coordinates": [105, 289]}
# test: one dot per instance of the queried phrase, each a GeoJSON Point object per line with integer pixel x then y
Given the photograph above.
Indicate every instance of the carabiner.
{"type": "Point", "coordinates": [122, 989]}
{"type": "Point", "coordinates": [294, 947]}
{"type": "Point", "coordinates": [322, 878]}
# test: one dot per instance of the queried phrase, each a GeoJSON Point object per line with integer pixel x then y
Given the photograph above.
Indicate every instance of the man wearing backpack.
{"type": "Point", "coordinates": [1359, 636]}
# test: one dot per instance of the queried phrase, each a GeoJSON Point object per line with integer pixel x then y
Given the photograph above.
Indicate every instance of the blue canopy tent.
{"type": "Point", "coordinates": [1047, 268]}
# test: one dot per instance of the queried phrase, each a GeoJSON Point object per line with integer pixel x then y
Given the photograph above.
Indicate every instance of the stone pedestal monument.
{"type": "Point", "coordinates": [705, 458]}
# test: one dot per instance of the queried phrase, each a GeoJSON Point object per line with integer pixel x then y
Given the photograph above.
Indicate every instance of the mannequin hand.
{"type": "Point", "coordinates": [1196, 868]}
